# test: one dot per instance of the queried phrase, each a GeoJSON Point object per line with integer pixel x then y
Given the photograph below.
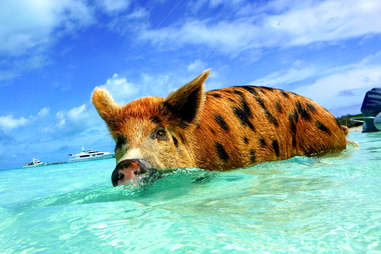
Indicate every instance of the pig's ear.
{"type": "Point", "coordinates": [186, 102]}
{"type": "Point", "coordinates": [106, 106]}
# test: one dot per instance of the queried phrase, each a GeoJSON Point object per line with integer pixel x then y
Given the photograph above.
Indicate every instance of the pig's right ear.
{"type": "Point", "coordinates": [106, 106]}
{"type": "Point", "coordinates": [185, 104]}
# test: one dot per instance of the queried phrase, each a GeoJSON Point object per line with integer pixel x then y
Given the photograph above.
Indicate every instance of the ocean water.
{"type": "Point", "coordinates": [304, 205]}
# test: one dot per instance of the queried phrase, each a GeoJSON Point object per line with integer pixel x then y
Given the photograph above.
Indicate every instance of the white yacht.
{"type": "Point", "coordinates": [89, 155]}
{"type": "Point", "coordinates": [34, 163]}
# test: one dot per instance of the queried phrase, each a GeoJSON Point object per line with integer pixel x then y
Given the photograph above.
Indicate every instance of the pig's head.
{"type": "Point", "coordinates": [152, 134]}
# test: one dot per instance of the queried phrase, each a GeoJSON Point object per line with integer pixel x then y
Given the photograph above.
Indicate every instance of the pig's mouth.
{"type": "Point", "coordinates": [134, 171]}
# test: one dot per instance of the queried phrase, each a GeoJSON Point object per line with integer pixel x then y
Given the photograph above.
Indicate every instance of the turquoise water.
{"type": "Point", "coordinates": [305, 205]}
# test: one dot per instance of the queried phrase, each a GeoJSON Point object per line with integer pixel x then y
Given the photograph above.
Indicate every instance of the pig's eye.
{"type": "Point", "coordinates": [159, 134]}
{"type": "Point", "coordinates": [120, 141]}
{"type": "Point", "coordinates": [121, 146]}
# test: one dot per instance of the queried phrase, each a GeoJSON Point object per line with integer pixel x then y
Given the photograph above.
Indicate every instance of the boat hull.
{"type": "Point", "coordinates": [101, 157]}
{"type": "Point", "coordinates": [34, 166]}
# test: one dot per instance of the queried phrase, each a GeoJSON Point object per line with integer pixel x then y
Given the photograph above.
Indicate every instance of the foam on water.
{"type": "Point", "coordinates": [329, 204]}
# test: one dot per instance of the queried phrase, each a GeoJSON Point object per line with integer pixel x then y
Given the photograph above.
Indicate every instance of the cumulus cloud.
{"type": "Point", "coordinates": [77, 112]}
{"type": "Point", "coordinates": [327, 21]}
{"type": "Point", "coordinates": [216, 3]}
{"type": "Point", "coordinates": [147, 84]}
{"type": "Point", "coordinates": [228, 37]}
{"type": "Point", "coordinates": [284, 77]}
{"type": "Point", "coordinates": [196, 65]}
{"type": "Point", "coordinates": [8, 74]}
{"type": "Point", "coordinates": [80, 120]}
{"type": "Point", "coordinates": [196, 5]}
{"type": "Point", "coordinates": [120, 88]}
{"type": "Point", "coordinates": [43, 112]}
{"type": "Point", "coordinates": [75, 115]}
{"type": "Point", "coordinates": [154, 84]}
{"type": "Point", "coordinates": [28, 24]}
{"type": "Point", "coordinates": [113, 6]}
{"type": "Point", "coordinates": [297, 25]}
{"type": "Point", "coordinates": [164, 83]}
{"type": "Point", "coordinates": [133, 21]}
{"type": "Point", "coordinates": [335, 90]}
{"type": "Point", "coordinates": [12, 67]}
{"type": "Point", "coordinates": [60, 115]}
{"type": "Point", "coordinates": [28, 28]}
{"type": "Point", "coordinates": [10, 122]}
{"type": "Point", "coordinates": [340, 89]}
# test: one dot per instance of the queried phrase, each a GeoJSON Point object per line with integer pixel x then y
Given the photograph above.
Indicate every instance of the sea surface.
{"type": "Point", "coordinates": [303, 205]}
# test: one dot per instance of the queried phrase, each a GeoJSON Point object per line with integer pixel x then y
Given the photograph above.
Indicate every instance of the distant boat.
{"type": "Point", "coordinates": [34, 163]}
{"type": "Point", "coordinates": [89, 155]}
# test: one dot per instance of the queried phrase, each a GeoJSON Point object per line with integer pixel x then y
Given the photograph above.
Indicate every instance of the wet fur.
{"type": "Point", "coordinates": [221, 129]}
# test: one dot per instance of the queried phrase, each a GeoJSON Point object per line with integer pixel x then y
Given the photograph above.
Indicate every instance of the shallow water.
{"type": "Point", "coordinates": [309, 205]}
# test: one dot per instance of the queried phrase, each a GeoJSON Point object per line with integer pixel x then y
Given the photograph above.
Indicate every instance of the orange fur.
{"type": "Point", "coordinates": [222, 129]}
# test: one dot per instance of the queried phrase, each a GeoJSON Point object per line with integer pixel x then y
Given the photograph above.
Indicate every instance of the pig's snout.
{"type": "Point", "coordinates": [128, 170]}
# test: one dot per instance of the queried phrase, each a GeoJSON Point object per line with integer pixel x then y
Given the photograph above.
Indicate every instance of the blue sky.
{"type": "Point", "coordinates": [53, 54]}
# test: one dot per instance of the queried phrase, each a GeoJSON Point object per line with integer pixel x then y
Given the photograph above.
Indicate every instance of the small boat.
{"type": "Point", "coordinates": [89, 155]}
{"type": "Point", "coordinates": [34, 163]}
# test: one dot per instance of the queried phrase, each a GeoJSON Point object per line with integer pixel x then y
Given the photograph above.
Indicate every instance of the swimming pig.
{"type": "Point", "coordinates": [217, 130]}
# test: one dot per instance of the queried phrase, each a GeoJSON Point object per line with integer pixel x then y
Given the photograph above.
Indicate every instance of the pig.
{"type": "Point", "coordinates": [222, 129]}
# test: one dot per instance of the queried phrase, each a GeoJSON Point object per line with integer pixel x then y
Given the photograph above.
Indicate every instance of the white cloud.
{"type": "Point", "coordinates": [159, 84]}
{"type": "Point", "coordinates": [228, 37]}
{"type": "Point", "coordinates": [343, 89]}
{"type": "Point", "coordinates": [327, 21]}
{"type": "Point", "coordinates": [77, 112]}
{"type": "Point", "coordinates": [9, 122]}
{"type": "Point", "coordinates": [164, 83]}
{"type": "Point", "coordinates": [29, 27]}
{"type": "Point", "coordinates": [298, 24]}
{"type": "Point", "coordinates": [196, 5]}
{"type": "Point", "coordinates": [196, 65]}
{"type": "Point", "coordinates": [132, 21]}
{"type": "Point", "coordinates": [138, 13]}
{"type": "Point", "coordinates": [340, 88]}
{"type": "Point", "coordinates": [120, 88]}
{"type": "Point", "coordinates": [284, 77]}
{"type": "Point", "coordinates": [72, 122]}
{"type": "Point", "coordinates": [43, 112]}
{"type": "Point", "coordinates": [216, 3]}
{"type": "Point", "coordinates": [113, 6]}
{"type": "Point", "coordinates": [9, 74]}
{"type": "Point", "coordinates": [146, 84]}
{"type": "Point", "coordinates": [74, 115]}
{"type": "Point", "coordinates": [149, 84]}
{"type": "Point", "coordinates": [60, 115]}
{"type": "Point", "coordinates": [28, 24]}
{"type": "Point", "coordinates": [14, 66]}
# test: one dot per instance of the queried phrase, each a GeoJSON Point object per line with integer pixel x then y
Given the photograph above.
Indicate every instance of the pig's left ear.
{"type": "Point", "coordinates": [106, 107]}
{"type": "Point", "coordinates": [185, 103]}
